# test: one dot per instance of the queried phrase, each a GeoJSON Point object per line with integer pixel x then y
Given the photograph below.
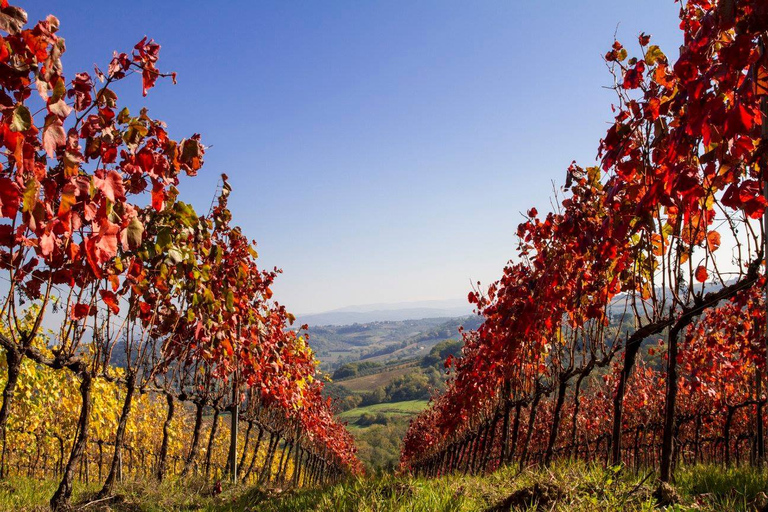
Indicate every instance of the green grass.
{"type": "Point", "coordinates": [732, 489]}
{"type": "Point", "coordinates": [407, 408]}
{"type": "Point", "coordinates": [191, 493]}
{"type": "Point", "coordinates": [569, 487]}
{"type": "Point", "coordinates": [29, 494]}
{"type": "Point", "coordinates": [575, 487]}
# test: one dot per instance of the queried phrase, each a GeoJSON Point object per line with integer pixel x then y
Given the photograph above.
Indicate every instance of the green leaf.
{"type": "Point", "coordinates": [124, 115]}
{"type": "Point", "coordinates": [164, 238]}
{"type": "Point", "coordinates": [230, 301]}
{"type": "Point", "coordinates": [59, 90]}
{"type": "Point", "coordinates": [31, 193]}
{"type": "Point", "coordinates": [22, 119]}
{"type": "Point", "coordinates": [654, 55]}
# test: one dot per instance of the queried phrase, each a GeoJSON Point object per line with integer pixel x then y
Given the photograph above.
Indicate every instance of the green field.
{"type": "Point", "coordinates": [398, 409]}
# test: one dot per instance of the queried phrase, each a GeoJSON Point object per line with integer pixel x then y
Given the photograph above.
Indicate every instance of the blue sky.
{"type": "Point", "coordinates": [379, 151]}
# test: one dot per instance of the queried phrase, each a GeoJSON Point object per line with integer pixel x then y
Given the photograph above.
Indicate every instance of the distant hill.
{"type": "Point", "coordinates": [389, 312]}
{"type": "Point", "coordinates": [382, 341]}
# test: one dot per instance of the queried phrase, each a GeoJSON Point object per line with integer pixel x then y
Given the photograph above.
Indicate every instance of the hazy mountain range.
{"type": "Point", "coordinates": [389, 312]}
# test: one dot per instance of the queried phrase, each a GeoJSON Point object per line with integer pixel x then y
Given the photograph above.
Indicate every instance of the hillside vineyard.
{"type": "Point", "coordinates": [631, 326]}
{"type": "Point", "coordinates": [146, 364]}
{"type": "Point", "coordinates": [180, 294]}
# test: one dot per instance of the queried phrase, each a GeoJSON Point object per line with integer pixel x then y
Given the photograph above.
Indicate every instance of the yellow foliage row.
{"type": "Point", "coordinates": [43, 421]}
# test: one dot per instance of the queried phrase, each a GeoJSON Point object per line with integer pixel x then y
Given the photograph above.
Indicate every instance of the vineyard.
{"type": "Point", "coordinates": [96, 273]}
{"type": "Point", "coordinates": [630, 329]}
{"type": "Point", "coordinates": [626, 338]}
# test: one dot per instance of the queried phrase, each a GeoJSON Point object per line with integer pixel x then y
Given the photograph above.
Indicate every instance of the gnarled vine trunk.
{"type": "Point", "coordinates": [561, 389]}
{"type": "Point", "coordinates": [60, 499]}
{"type": "Point", "coordinates": [668, 437]}
{"type": "Point", "coordinates": [162, 461]}
{"type": "Point", "coordinates": [255, 452]}
{"type": "Point", "coordinates": [630, 356]}
{"type": "Point", "coordinates": [13, 362]}
{"type": "Point", "coordinates": [531, 423]}
{"type": "Point", "coordinates": [195, 438]}
{"type": "Point", "coordinates": [211, 439]}
{"type": "Point", "coordinates": [130, 389]}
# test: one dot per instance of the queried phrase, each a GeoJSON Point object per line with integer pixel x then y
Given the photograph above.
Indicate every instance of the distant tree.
{"type": "Point", "coordinates": [377, 396]}
{"type": "Point", "coordinates": [411, 386]}
{"type": "Point", "coordinates": [345, 371]}
{"type": "Point", "coordinates": [440, 352]}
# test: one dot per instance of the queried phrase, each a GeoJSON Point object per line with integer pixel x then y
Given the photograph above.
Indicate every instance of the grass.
{"type": "Point", "coordinates": [32, 495]}
{"type": "Point", "coordinates": [568, 487]}
{"type": "Point", "coordinates": [406, 408]}
{"type": "Point", "coordinates": [731, 489]}
{"type": "Point", "coordinates": [191, 493]}
{"type": "Point", "coordinates": [565, 487]}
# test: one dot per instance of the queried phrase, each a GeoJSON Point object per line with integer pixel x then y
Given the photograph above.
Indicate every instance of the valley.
{"type": "Point", "coordinates": [383, 374]}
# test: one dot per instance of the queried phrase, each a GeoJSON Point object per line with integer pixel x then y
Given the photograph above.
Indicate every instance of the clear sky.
{"type": "Point", "coordinates": [379, 151]}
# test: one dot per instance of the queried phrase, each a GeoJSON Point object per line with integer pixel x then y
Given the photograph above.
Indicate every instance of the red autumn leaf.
{"type": "Point", "coordinates": [10, 198]}
{"type": "Point", "coordinates": [634, 76]}
{"type": "Point", "coordinates": [80, 311]}
{"type": "Point", "coordinates": [701, 274]}
{"type": "Point", "coordinates": [685, 69]}
{"type": "Point", "coordinates": [7, 237]}
{"type": "Point", "coordinates": [46, 244]}
{"type": "Point", "coordinates": [713, 240]}
{"type": "Point", "coordinates": [146, 56]}
{"type": "Point", "coordinates": [158, 196]}
{"type": "Point", "coordinates": [107, 240]}
{"type": "Point", "coordinates": [652, 108]}
{"type": "Point", "coordinates": [91, 254]}
{"type": "Point", "coordinates": [108, 153]}
{"type": "Point", "coordinates": [149, 76]}
{"type": "Point", "coordinates": [110, 183]}
{"type": "Point", "coordinates": [755, 207]}
{"type": "Point", "coordinates": [53, 135]}
{"type": "Point", "coordinates": [741, 119]}
{"type": "Point", "coordinates": [146, 160]}
{"type": "Point", "coordinates": [81, 90]}
{"type": "Point", "coordinates": [110, 299]}
{"type": "Point", "coordinates": [102, 246]}
{"type": "Point", "coordinates": [73, 251]}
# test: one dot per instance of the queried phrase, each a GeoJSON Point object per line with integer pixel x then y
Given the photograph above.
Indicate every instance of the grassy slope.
{"type": "Point", "coordinates": [575, 487]}
{"type": "Point", "coordinates": [407, 408]}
